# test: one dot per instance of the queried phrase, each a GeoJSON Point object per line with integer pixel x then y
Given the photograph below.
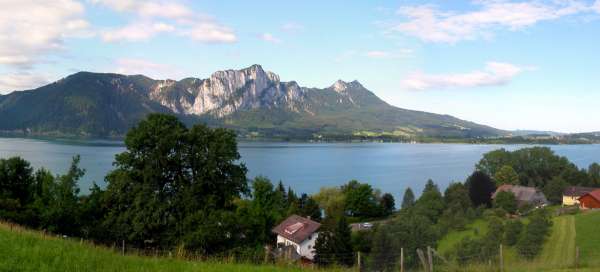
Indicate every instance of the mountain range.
{"type": "Point", "coordinates": [252, 101]}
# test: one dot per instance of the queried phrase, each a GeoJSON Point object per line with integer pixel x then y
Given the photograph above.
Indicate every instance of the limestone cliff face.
{"type": "Point", "coordinates": [226, 92]}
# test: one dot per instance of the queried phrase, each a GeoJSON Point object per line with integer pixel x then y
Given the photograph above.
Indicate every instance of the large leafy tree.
{"type": "Point", "coordinates": [175, 185]}
{"type": "Point", "coordinates": [507, 201]}
{"type": "Point", "coordinates": [16, 180]}
{"type": "Point", "coordinates": [360, 199]}
{"type": "Point", "coordinates": [506, 175]}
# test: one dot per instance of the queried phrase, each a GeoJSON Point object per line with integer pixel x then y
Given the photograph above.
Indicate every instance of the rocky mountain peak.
{"type": "Point", "coordinates": [341, 86]}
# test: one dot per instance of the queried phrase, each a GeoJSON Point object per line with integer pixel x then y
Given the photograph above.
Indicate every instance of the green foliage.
{"type": "Point", "coordinates": [507, 201]}
{"type": "Point", "coordinates": [513, 231]}
{"type": "Point", "coordinates": [554, 189]}
{"type": "Point", "coordinates": [457, 203]}
{"type": "Point", "coordinates": [387, 204]}
{"type": "Point", "coordinates": [176, 185]}
{"type": "Point", "coordinates": [535, 166]}
{"type": "Point", "coordinates": [506, 175]}
{"type": "Point", "coordinates": [334, 244]}
{"type": "Point", "coordinates": [332, 200]}
{"type": "Point", "coordinates": [534, 234]}
{"type": "Point", "coordinates": [409, 199]}
{"type": "Point", "coordinates": [410, 230]}
{"type": "Point", "coordinates": [360, 199]}
{"type": "Point", "coordinates": [594, 173]}
{"type": "Point", "coordinates": [481, 188]}
{"type": "Point", "coordinates": [431, 203]}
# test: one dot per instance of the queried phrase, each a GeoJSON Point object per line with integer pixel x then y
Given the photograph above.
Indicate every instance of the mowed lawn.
{"type": "Point", "coordinates": [29, 251]}
{"type": "Point", "coordinates": [588, 238]}
{"type": "Point", "coordinates": [559, 249]}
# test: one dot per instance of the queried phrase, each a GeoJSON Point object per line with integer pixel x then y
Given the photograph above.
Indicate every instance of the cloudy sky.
{"type": "Point", "coordinates": [508, 64]}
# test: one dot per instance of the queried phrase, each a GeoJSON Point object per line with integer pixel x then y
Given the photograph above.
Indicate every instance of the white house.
{"type": "Point", "coordinates": [300, 233]}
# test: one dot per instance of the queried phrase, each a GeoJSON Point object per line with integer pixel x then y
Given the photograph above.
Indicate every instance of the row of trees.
{"type": "Point", "coordinates": [537, 167]}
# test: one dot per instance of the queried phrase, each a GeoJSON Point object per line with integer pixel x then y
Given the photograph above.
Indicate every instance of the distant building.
{"type": "Point", "coordinates": [524, 195]}
{"type": "Point", "coordinates": [590, 200]}
{"type": "Point", "coordinates": [297, 233]}
{"type": "Point", "coordinates": [572, 194]}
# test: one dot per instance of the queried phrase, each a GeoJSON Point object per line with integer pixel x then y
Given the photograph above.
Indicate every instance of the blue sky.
{"type": "Point", "coordinates": [508, 64]}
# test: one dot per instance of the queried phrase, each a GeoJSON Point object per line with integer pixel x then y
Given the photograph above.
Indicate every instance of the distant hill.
{"type": "Point", "coordinates": [251, 101]}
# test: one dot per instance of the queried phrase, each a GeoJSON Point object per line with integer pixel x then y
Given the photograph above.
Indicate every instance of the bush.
{"type": "Point", "coordinates": [506, 200]}
{"type": "Point", "coordinates": [512, 232]}
{"type": "Point", "coordinates": [530, 243]}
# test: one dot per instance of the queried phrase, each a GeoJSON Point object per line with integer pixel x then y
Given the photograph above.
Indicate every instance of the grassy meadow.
{"type": "Point", "coordinates": [25, 250]}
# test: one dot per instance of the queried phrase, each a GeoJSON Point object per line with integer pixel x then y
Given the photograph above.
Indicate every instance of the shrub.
{"type": "Point", "coordinates": [512, 232]}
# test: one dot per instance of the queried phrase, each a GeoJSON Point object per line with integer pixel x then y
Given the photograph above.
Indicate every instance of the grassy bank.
{"type": "Point", "coordinates": [558, 253]}
{"type": "Point", "coordinates": [25, 250]}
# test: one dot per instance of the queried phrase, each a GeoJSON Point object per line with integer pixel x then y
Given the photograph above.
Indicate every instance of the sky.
{"type": "Point", "coordinates": [531, 65]}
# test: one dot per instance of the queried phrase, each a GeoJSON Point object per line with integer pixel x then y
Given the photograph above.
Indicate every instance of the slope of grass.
{"type": "Point", "coordinates": [477, 228]}
{"type": "Point", "coordinates": [587, 226]}
{"type": "Point", "coordinates": [23, 250]}
{"type": "Point", "coordinates": [559, 249]}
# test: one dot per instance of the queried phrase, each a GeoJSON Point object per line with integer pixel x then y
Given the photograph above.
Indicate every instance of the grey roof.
{"type": "Point", "coordinates": [523, 193]}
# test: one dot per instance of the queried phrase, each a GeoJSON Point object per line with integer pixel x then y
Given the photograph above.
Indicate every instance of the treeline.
{"type": "Point", "coordinates": [537, 167]}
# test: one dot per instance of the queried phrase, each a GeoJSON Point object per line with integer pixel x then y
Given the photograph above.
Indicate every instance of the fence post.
{"type": "Point", "coordinates": [576, 258]}
{"type": "Point", "coordinates": [429, 259]}
{"type": "Point", "coordinates": [401, 259]}
{"type": "Point", "coordinates": [123, 247]}
{"type": "Point", "coordinates": [501, 259]}
{"type": "Point", "coordinates": [358, 261]}
{"type": "Point", "coordinates": [267, 253]}
{"type": "Point", "coordinates": [422, 258]}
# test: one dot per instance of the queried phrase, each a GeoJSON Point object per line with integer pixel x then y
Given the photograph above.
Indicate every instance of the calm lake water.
{"type": "Point", "coordinates": [305, 167]}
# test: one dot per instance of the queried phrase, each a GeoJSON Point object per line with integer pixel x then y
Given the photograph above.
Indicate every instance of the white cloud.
{"type": "Point", "coordinates": [174, 18]}
{"type": "Point", "coordinates": [30, 29]}
{"type": "Point", "coordinates": [430, 24]}
{"type": "Point", "coordinates": [379, 54]}
{"type": "Point", "coordinates": [268, 37]}
{"type": "Point", "coordinates": [494, 74]}
{"type": "Point", "coordinates": [210, 32]}
{"type": "Point", "coordinates": [136, 32]}
{"type": "Point", "coordinates": [596, 6]}
{"type": "Point", "coordinates": [133, 66]}
{"type": "Point", "coordinates": [148, 8]}
{"type": "Point", "coordinates": [20, 81]}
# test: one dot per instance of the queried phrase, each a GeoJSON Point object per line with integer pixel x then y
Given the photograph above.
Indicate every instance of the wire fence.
{"type": "Point", "coordinates": [505, 259]}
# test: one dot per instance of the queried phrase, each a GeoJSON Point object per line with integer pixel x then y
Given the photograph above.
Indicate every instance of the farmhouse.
{"type": "Point", "coordinates": [299, 233]}
{"type": "Point", "coordinates": [590, 200]}
{"type": "Point", "coordinates": [524, 195]}
{"type": "Point", "coordinates": [572, 194]}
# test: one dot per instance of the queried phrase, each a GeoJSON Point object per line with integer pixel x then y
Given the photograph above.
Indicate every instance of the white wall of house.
{"type": "Point", "coordinates": [305, 248]}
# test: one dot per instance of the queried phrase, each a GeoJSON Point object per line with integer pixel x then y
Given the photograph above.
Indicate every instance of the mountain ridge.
{"type": "Point", "coordinates": [250, 101]}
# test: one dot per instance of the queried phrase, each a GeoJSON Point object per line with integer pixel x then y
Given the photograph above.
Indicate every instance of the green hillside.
{"type": "Point", "coordinates": [24, 250]}
{"type": "Point", "coordinates": [559, 250]}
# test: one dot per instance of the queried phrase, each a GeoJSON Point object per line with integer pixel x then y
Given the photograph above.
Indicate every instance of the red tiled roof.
{"type": "Point", "coordinates": [595, 194]}
{"type": "Point", "coordinates": [296, 228]}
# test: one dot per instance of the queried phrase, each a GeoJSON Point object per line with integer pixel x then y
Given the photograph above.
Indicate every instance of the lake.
{"type": "Point", "coordinates": [305, 167]}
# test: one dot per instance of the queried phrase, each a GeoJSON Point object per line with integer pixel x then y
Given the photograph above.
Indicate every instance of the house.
{"type": "Point", "coordinates": [524, 195]}
{"type": "Point", "coordinates": [572, 194]}
{"type": "Point", "coordinates": [299, 233]}
{"type": "Point", "coordinates": [590, 200]}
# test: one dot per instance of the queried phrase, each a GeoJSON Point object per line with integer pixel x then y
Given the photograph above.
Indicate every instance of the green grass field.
{"type": "Point", "coordinates": [588, 237]}
{"type": "Point", "coordinates": [558, 253]}
{"type": "Point", "coordinates": [23, 250]}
